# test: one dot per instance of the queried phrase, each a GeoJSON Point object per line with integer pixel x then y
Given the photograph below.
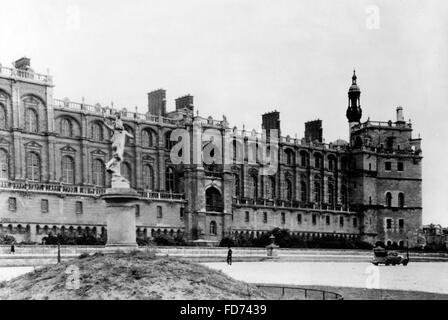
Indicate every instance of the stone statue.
{"type": "Point", "coordinates": [118, 142]}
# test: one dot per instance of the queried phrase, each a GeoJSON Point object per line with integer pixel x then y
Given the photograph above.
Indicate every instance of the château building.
{"type": "Point", "coordinates": [53, 154]}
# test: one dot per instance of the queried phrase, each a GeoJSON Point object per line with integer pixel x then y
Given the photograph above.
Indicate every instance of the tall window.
{"type": "Point", "coordinates": [289, 157]}
{"type": "Point", "coordinates": [304, 159]}
{"type": "Point", "coordinates": [236, 185]}
{"type": "Point", "coordinates": [33, 167]}
{"type": "Point", "coordinates": [270, 187]}
{"type": "Point", "coordinates": [4, 172]}
{"type": "Point", "coordinates": [96, 132]}
{"type": "Point", "coordinates": [283, 218]}
{"type": "Point", "coordinates": [98, 172]}
{"type": "Point", "coordinates": [303, 192]}
{"type": "Point", "coordinates": [213, 228]}
{"type": "Point", "coordinates": [344, 195]}
{"type": "Point", "coordinates": [148, 177]}
{"type": "Point", "coordinates": [253, 187]}
{"type": "Point", "coordinates": [2, 117]}
{"type": "Point", "coordinates": [288, 190]}
{"type": "Point", "coordinates": [330, 194]}
{"type": "Point", "coordinates": [159, 212]}
{"type": "Point", "coordinates": [169, 180]}
{"type": "Point", "coordinates": [331, 163]}
{"type": "Point", "coordinates": [317, 161]}
{"type": "Point", "coordinates": [146, 139]}
{"type": "Point", "coordinates": [299, 218]}
{"type": "Point", "coordinates": [389, 199]}
{"type": "Point", "coordinates": [265, 217]}
{"type": "Point", "coordinates": [68, 170]}
{"type": "Point", "coordinates": [66, 128]}
{"type": "Point", "coordinates": [126, 171]}
{"type": "Point", "coordinates": [401, 199]}
{"type": "Point", "coordinates": [317, 192]}
{"type": "Point", "coordinates": [31, 120]}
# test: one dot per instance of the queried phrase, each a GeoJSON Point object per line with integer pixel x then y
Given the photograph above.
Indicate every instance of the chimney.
{"type": "Point", "coordinates": [23, 63]}
{"type": "Point", "coordinates": [157, 102]}
{"type": "Point", "coordinates": [271, 121]}
{"type": "Point", "coordinates": [313, 131]}
{"type": "Point", "coordinates": [185, 102]}
{"type": "Point", "coordinates": [400, 117]}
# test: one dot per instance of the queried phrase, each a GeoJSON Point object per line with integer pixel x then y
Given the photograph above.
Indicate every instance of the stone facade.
{"type": "Point", "coordinates": [52, 156]}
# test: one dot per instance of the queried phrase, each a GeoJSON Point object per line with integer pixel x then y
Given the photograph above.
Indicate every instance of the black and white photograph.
{"type": "Point", "coordinates": [223, 154]}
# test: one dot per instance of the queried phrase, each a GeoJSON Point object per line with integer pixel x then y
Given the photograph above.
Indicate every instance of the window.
{"type": "Point", "coordinates": [137, 210]}
{"type": "Point", "coordinates": [236, 185]}
{"type": "Point", "coordinates": [2, 117]}
{"type": "Point", "coordinates": [344, 195]}
{"type": "Point", "coordinates": [12, 204]}
{"type": "Point", "coordinates": [265, 217]}
{"type": "Point", "coordinates": [401, 224]}
{"type": "Point", "coordinates": [66, 128]}
{"type": "Point", "coordinates": [146, 139]}
{"type": "Point", "coordinates": [246, 217]}
{"type": "Point", "coordinates": [370, 167]}
{"type": "Point", "coordinates": [331, 163]}
{"type": "Point", "coordinates": [148, 177]}
{"type": "Point", "coordinates": [316, 192]}
{"type": "Point", "coordinates": [31, 120]}
{"type": "Point", "coordinates": [318, 161]}
{"type": "Point", "coordinates": [400, 166]}
{"type": "Point", "coordinates": [78, 207]}
{"type": "Point", "coordinates": [181, 213]}
{"type": "Point", "coordinates": [213, 228]}
{"type": "Point", "coordinates": [388, 199]}
{"type": "Point", "coordinates": [303, 192]}
{"type": "Point", "coordinates": [314, 219]}
{"type": "Point", "coordinates": [169, 180]}
{"type": "Point", "coordinates": [344, 164]}
{"type": "Point", "coordinates": [4, 171]}
{"type": "Point", "coordinates": [401, 200]}
{"type": "Point", "coordinates": [98, 172]}
{"type": "Point", "coordinates": [68, 170]}
{"type": "Point", "coordinates": [304, 159]}
{"type": "Point", "coordinates": [299, 218]}
{"type": "Point", "coordinates": [388, 224]}
{"type": "Point", "coordinates": [253, 187]}
{"type": "Point", "coordinates": [33, 167]}
{"type": "Point", "coordinates": [341, 221]}
{"type": "Point", "coordinates": [330, 194]}
{"type": "Point", "coordinates": [288, 190]}
{"type": "Point", "coordinates": [159, 212]}
{"type": "Point", "coordinates": [168, 143]}
{"type": "Point", "coordinates": [96, 132]}
{"type": "Point", "coordinates": [270, 187]}
{"type": "Point", "coordinates": [44, 206]}
{"type": "Point", "coordinates": [327, 220]}
{"type": "Point", "coordinates": [289, 157]}
{"type": "Point", "coordinates": [355, 223]}
{"type": "Point", "coordinates": [283, 218]}
{"type": "Point", "coordinates": [388, 166]}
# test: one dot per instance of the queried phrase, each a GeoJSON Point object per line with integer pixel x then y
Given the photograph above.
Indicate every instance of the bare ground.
{"type": "Point", "coordinates": [128, 277]}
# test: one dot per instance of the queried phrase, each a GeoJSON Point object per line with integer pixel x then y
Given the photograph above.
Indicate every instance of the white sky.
{"type": "Point", "coordinates": [245, 57]}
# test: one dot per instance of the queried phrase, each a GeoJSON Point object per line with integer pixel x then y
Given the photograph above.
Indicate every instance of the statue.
{"type": "Point", "coordinates": [118, 142]}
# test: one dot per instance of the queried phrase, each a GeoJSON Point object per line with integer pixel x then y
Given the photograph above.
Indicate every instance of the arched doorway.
{"type": "Point", "coordinates": [213, 200]}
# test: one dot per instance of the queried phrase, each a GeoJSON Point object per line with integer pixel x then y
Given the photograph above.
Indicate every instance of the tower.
{"type": "Point", "coordinates": [354, 111]}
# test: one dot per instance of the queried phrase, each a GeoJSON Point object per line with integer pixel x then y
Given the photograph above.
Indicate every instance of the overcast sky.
{"type": "Point", "coordinates": [243, 58]}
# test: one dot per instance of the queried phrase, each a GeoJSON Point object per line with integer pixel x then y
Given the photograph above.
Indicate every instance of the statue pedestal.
{"type": "Point", "coordinates": [121, 229]}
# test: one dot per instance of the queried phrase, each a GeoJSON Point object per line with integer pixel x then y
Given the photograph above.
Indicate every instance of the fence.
{"type": "Point", "coordinates": [298, 293]}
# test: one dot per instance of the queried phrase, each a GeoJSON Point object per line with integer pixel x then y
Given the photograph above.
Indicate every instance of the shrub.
{"type": "Point", "coordinates": [7, 239]}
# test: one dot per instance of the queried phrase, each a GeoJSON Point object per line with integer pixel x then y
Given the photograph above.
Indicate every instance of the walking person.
{"type": "Point", "coordinates": [229, 257]}
{"type": "Point", "coordinates": [13, 249]}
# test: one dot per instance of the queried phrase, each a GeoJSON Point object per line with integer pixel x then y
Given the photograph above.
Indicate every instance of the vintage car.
{"type": "Point", "coordinates": [382, 256]}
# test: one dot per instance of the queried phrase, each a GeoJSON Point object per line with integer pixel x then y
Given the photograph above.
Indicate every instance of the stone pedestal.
{"type": "Point", "coordinates": [121, 229]}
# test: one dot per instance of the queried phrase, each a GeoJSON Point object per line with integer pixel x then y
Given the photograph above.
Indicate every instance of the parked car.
{"type": "Point", "coordinates": [382, 256]}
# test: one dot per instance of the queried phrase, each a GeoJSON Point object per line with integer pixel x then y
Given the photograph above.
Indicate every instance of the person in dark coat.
{"type": "Point", "coordinates": [13, 249]}
{"type": "Point", "coordinates": [229, 256]}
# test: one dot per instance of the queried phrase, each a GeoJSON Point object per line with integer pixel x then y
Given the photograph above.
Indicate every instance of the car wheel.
{"type": "Point", "coordinates": [405, 262]}
{"type": "Point", "coordinates": [375, 263]}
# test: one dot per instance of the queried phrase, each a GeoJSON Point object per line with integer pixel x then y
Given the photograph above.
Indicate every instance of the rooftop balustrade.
{"type": "Point", "coordinates": [26, 75]}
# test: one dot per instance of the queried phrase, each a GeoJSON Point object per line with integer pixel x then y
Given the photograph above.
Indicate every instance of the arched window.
{"type": "Point", "coordinates": [66, 128]}
{"type": "Point", "coordinates": [344, 164]}
{"type": "Point", "coordinates": [146, 139]}
{"type": "Point", "coordinates": [169, 180]}
{"type": "Point", "coordinates": [2, 117]}
{"type": "Point", "coordinates": [270, 187]}
{"type": "Point", "coordinates": [331, 194]}
{"type": "Point", "coordinates": [253, 187]}
{"type": "Point", "coordinates": [33, 166]}
{"type": "Point", "coordinates": [126, 171]}
{"type": "Point", "coordinates": [129, 140]}
{"type": "Point", "coordinates": [331, 163]}
{"type": "Point", "coordinates": [318, 161]}
{"type": "Point", "coordinates": [68, 170]}
{"type": "Point", "coordinates": [96, 132]}
{"type": "Point", "coordinates": [4, 172]}
{"type": "Point", "coordinates": [213, 228]}
{"type": "Point", "coordinates": [31, 120]}
{"type": "Point", "coordinates": [401, 199]}
{"type": "Point", "coordinates": [388, 199]}
{"type": "Point", "coordinates": [148, 177]}
{"type": "Point", "coordinates": [304, 159]}
{"type": "Point", "coordinates": [213, 200]}
{"type": "Point", "coordinates": [236, 185]}
{"type": "Point", "coordinates": [317, 193]}
{"type": "Point", "coordinates": [289, 157]}
{"type": "Point", "coordinates": [168, 143]}
{"type": "Point", "coordinates": [344, 195]}
{"type": "Point", "coordinates": [288, 189]}
{"type": "Point", "coordinates": [303, 192]}
{"type": "Point", "coordinates": [98, 173]}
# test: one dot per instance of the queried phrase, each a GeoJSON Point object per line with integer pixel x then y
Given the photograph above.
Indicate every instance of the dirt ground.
{"type": "Point", "coordinates": [127, 277]}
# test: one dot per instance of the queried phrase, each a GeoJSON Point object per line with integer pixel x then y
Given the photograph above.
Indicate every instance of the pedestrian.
{"type": "Point", "coordinates": [13, 249]}
{"type": "Point", "coordinates": [229, 257]}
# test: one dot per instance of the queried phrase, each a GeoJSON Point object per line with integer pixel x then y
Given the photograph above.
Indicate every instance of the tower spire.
{"type": "Point", "coordinates": [354, 111]}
